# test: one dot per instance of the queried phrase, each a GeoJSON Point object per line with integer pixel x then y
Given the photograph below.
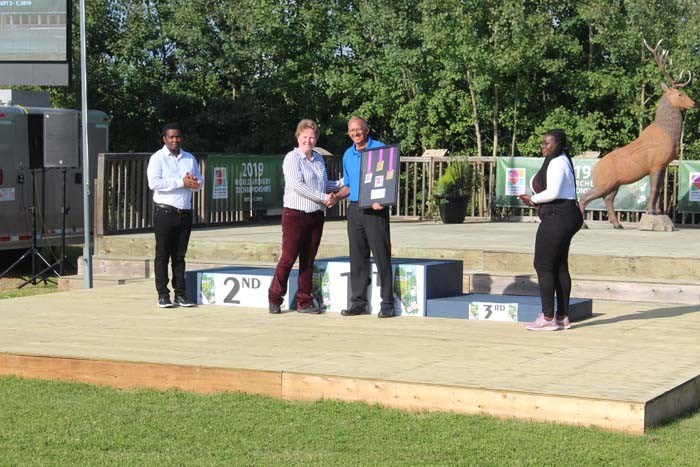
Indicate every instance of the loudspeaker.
{"type": "Point", "coordinates": [35, 127]}
{"type": "Point", "coordinates": [61, 139]}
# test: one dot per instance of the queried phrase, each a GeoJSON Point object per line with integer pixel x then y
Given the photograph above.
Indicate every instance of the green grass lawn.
{"type": "Point", "coordinates": [53, 423]}
{"type": "Point", "coordinates": [8, 288]}
{"type": "Point", "coordinates": [22, 270]}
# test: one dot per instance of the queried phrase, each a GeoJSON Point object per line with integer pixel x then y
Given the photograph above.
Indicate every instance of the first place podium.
{"type": "Point", "coordinates": [415, 282]}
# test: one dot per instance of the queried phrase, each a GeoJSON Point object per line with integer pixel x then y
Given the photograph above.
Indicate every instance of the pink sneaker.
{"type": "Point", "coordinates": [564, 323]}
{"type": "Point", "coordinates": [541, 324]}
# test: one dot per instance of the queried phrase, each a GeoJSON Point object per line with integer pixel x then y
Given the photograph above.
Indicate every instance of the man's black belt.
{"type": "Point", "coordinates": [565, 202]}
{"type": "Point", "coordinates": [171, 209]}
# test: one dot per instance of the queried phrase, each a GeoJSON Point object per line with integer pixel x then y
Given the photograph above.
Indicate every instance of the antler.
{"type": "Point", "coordinates": [660, 58]}
{"type": "Point", "coordinates": [680, 85]}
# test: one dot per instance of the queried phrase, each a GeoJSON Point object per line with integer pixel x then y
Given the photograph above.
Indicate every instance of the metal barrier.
{"type": "Point", "coordinates": [123, 202]}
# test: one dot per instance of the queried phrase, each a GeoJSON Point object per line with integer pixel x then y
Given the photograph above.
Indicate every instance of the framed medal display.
{"type": "Point", "coordinates": [379, 176]}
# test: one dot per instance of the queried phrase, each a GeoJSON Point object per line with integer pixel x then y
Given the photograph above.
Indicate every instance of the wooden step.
{"type": "Point", "coordinates": [76, 282]}
{"type": "Point", "coordinates": [601, 288]}
{"type": "Point", "coordinates": [220, 250]}
{"type": "Point", "coordinates": [124, 268]}
{"type": "Point", "coordinates": [139, 266]}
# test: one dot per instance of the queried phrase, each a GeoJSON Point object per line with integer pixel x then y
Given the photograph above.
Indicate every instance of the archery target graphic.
{"type": "Point", "coordinates": [220, 187]}
{"type": "Point", "coordinates": [694, 190]}
{"type": "Point", "coordinates": [515, 181]}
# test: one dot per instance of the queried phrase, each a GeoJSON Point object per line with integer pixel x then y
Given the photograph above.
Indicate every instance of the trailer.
{"type": "Point", "coordinates": [40, 147]}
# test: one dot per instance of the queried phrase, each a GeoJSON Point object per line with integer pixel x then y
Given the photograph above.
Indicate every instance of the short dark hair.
{"type": "Point", "coordinates": [170, 126]}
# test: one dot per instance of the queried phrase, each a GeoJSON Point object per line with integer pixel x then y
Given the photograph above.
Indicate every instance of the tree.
{"type": "Point", "coordinates": [473, 76]}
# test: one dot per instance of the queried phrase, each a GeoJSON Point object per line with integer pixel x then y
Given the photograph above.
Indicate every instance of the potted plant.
{"type": "Point", "coordinates": [452, 190]}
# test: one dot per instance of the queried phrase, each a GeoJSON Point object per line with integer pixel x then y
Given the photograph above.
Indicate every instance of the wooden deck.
{"type": "Point", "coordinates": [632, 366]}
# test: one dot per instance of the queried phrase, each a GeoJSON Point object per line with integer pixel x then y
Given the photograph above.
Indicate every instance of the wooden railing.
{"type": "Point", "coordinates": [123, 202]}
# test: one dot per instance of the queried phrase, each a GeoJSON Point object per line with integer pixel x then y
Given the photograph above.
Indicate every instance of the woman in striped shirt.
{"type": "Point", "coordinates": [307, 194]}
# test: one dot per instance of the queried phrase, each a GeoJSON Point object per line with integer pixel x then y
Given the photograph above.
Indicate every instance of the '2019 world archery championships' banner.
{"type": "Point", "coordinates": [689, 186]}
{"type": "Point", "coordinates": [244, 181]}
{"type": "Point", "coordinates": [513, 175]}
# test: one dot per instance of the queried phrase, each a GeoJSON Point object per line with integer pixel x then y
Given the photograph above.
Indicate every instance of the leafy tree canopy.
{"type": "Point", "coordinates": [473, 76]}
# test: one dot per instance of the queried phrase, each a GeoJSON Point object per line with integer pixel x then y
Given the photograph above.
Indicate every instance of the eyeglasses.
{"type": "Point", "coordinates": [544, 144]}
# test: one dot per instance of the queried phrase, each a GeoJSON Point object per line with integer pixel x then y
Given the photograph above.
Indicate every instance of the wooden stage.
{"type": "Point", "coordinates": [632, 366]}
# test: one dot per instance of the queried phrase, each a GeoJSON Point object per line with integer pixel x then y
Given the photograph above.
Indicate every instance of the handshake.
{"type": "Point", "coordinates": [331, 200]}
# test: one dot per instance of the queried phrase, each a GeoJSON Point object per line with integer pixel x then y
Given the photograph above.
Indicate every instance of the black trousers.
{"type": "Point", "coordinates": [560, 220]}
{"type": "Point", "coordinates": [172, 228]}
{"type": "Point", "coordinates": [368, 230]}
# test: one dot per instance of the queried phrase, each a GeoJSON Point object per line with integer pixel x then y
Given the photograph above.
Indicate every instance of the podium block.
{"type": "Point", "coordinates": [517, 308]}
{"type": "Point", "coordinates": [236, 286]}
{"type": "Point", "coordinates": [422, 287]}
{"type": "Point", "coordinates": [415, 282]}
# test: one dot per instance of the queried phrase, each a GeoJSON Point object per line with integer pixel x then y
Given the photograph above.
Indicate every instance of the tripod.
{"type": "Point", "coordinates": [33, 250]}
{"type": "Point", "coordinates": [59, 263]}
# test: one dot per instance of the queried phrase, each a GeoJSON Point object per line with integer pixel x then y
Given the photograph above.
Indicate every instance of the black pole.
{"type": "Point", "coordinates": [64, 210]}
{"type": "Point", "coordinates": [33, 211]}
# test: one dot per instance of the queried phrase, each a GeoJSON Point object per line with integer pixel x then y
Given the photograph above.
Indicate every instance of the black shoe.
{"type": "Point", "coordinates": [164, 302]}
{"type": "Point", "coordinates": [355, 311]}
{"type": "Point", "coordinates": [312, 310]}
{"type": "Point", "coordinates": [274, 309]}
{"type": "Point", "coordinates": [182, 301]}
{"type": "Point", "coordinates": [385, 314]}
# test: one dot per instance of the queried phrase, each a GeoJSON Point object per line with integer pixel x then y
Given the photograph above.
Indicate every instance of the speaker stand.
{"type": "Point", "coordinates": [33, 250]}
{"type": "Point", "coordinates": [57, 267]}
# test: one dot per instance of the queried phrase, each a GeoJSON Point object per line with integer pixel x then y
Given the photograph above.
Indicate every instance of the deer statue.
{"type": "Point", "coordinates": [649, 154]}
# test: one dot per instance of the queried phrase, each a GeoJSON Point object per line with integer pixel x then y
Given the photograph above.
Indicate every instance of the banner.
{"type": "Point", "coordinates": [244, 181]}
{"type": "Point", "coordinates": [513, 175]}
{"type": "Point", "coordinates": [688, 186]}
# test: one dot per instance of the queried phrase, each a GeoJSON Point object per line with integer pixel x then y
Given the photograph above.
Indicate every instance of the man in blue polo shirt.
{"type": "Point", "coordinates": [368, 229]}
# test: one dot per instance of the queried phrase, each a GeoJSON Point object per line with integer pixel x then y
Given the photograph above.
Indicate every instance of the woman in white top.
{"type": "Point", "coordinates": [555, 197]}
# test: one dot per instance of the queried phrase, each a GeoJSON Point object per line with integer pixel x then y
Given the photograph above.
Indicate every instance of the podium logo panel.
{"type": "Point", "coordinates": [331, 285]}
{"type": "Point", "coordinates": [409, 290]}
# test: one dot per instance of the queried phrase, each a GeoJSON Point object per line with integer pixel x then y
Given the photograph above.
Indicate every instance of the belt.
{"type": "Point", "coordinates": [304, 212]}
{"type": "Point", "coordinates": [565, 202]}
{"type": "Point", "coordinates": [171, 209]}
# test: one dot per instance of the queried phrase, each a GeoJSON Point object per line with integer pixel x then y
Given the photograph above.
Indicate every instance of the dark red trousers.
{"type": "Point", "coordinates": [301, 236]}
